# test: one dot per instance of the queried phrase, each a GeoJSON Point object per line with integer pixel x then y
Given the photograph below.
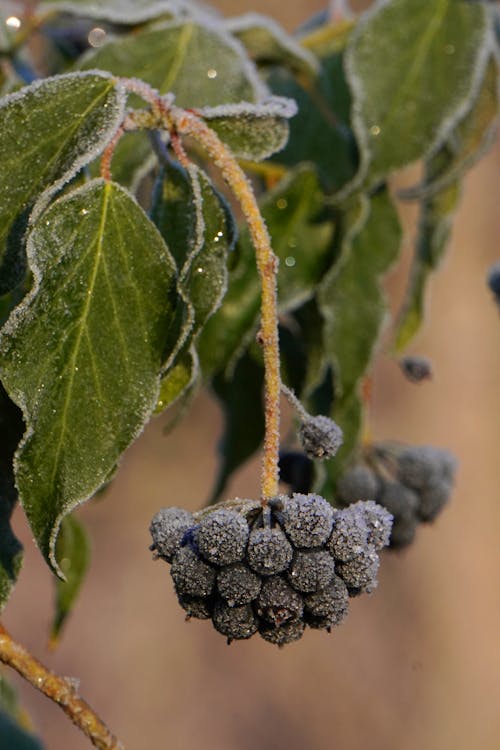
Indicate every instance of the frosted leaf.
{"type": "Point", "coordinates": [267, 42]}
{"type": "Point", "coordinates": [198, 62]}
{"type": "Point", "coordinates": [252, 131]}
{"type": "Point", "coordinates": [48, 131]}
{"type": "Point", "coordinates": [444, 52]}
{"type": "Point", "coordinates": [121, 11]}
{"type": "Point", "coordinates": [81, 355]}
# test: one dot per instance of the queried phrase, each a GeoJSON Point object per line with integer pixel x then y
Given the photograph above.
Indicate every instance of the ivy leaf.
{"type": "Point", "coordinates": [11, 551]}
{"type": "Point", "coordinates": [321, 132]}
{"type": "Point", "coordinates": [435, 223]}
{"type": "Point", "coordinates": [471, 138]}
{"type": "Point", "coordinates": [48, 131]}
{"type": "Point", "coordinates": [240, 396]}
{"type": "Point", "coordinates": [179, 379]}
{"type": "Point", "coordinates": [441, 48]}
{"type": "Point", "coordinates": [200, 64]}
{"type": "Point", "coordinates": [353, 305]}
{"type": "Point", "coordinates": [301, 238]}
{"type": "Point", "coordinates": [197, 227]}
{"type": "Point", "coordinates": [268, 43]}
{"type": "Point", "coordinates": [82, 353]}
{"type": "Point", "coordinates": [115, 11]}
{"type": "Point", "coordinates": [73, 556]}
{"type": "Point", "coordinates": [252, 131]}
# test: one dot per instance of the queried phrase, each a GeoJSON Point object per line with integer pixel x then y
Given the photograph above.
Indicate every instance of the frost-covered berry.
{"type": "Point", "coordinates": [311, 570]}
{"type": "Point", "coordinates": [422, 465]}
{"type": "Point", "coordinates": [167, 530]}
{"type": "Point", "coordinates": [238, 585]}
{"type": "Point", "coordinates": [191, 575]}
{"type": "Point", "coordinates": [222, 537]}
{"type": "Point", "coordinates": [269, 551]}
{"type": "Point", "coordinates": [297, 470]}
{"type": "Point", "coordinates": [357, 483]}
{"type": "Point", "coordinates": [278, 602]}
{"type": "Point", "coordinates": [416, 369]}
{"type": "Point", "coordinates": [196, 606]}
{"type": "Point", "coordinates": [328, 607]}
{"type": "Point", "coordinates": [403, 531]}
{"type": "Point", "coordinates": [398, 499]}
{"type": "Point", "coordinates": [320, 437]}
{"type": "Point", "coordinates": [282, 634]}
{"type": "Point", "coordinates": [378, 520]}
{"type": "Point", "coordinates": [307, 520]}
{"type": "Point", "coordinates": [360, 573]}
{"type": "Point", "coordinates": [433, 499]}
{"type": "Point", "coordinates": [350, 534]}
{"type": "Point", "coordinates": [236, 623]}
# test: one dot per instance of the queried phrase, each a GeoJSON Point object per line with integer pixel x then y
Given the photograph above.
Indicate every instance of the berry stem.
{"type": "Point", "coordinates": [189, 124]}
{"type": "Point", "coordinates": [58, 689]}
{"type": "Point", "coordinates": [179, 122]}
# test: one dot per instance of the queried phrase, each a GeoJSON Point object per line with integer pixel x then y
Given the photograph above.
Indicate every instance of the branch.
{"type": "Point", "coordinates": [59, 689]}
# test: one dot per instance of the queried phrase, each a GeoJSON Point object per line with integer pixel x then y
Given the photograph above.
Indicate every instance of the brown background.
{"type": "Point", "coordinates": [417, 665]}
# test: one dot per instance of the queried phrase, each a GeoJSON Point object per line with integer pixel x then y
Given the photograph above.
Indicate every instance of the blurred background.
{"type": "Point", "coordinates": [416, 665]}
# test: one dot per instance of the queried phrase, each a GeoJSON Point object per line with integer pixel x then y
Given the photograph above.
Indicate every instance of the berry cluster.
{"type": "Point", "coordinates": [271, 570]}
{"type": "Point", "coordinates": [412, 482]}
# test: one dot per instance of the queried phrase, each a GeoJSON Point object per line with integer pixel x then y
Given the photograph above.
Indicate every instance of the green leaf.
{"type": "Point", "coordinates": [268, 43]}
{"type": "Point", "coordinates": [116, 11]}
{"type": "Point", "coordinates": [82, 353]}
{"type": "Point", "coordinates": [178, 380]}
{"type": "Point", "coordinates": [11, 551]}
{"type": "Point", "coordinates": [48, 131]}
{"type": "Point", "coordinates": [73, 556]}
{"type": "Point", "coordinates": [252, 131]}
{"type": "Point", "coordinates": [198, 229]}
{"type": "Point", "coordinates": [435, 223]}
{"type": "Point", "coordinates": [14, 737]}
{"type": "Point", "coordinates": [413, 67]}
{"type": "Point", "coordinates": [301, 238]}
{"type": "Point", "coordinates": [201, 65]}
{"type": "Point", "coordinates": [353, 305]}
{"type": "Point", "coordinates": [321, 131]}
{"type": "Point", "coordinates": [240, 396]}
{"type": "Point", "coordinates": [471, 138]}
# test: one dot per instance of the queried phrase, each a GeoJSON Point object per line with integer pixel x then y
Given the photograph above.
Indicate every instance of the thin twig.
{"type": "Point", "coordinates": [59, 689]}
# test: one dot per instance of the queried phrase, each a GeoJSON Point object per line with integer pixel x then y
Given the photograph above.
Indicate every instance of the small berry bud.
{"type": "Point", "coordinates": [433, 499]}
{"type": "Point", "coordinates": [307, 520]}
{"type": "Point", "coordinates": [269, 551]}
{"type": "Point", "coordinates": [191, 575]}
{"type": "Point", "coordinates": [222, 537]}
{"type": "Point", "coordinates": [379, 521]}
{"type": "Point", "coordinates": [238, 585]}
{"type": "Point", "coordinates": [236, 623]}
{"type": "Point", "coordinates": [311, 571]}
{"type": "Point", "coordinates": [328, 607]}
{"type": "Point", "coordinates": [196, 606]}
{"type": "Point", "coordinates": [320, 437]}
{"type": "Point", "coordinates": [278, 602]}
{"type": "Point", "coordinates": [349, 536]}
{"type": "Point", "coordinates": [360, 573]}
{"type": "Point", "coordinates": [280, 635]}
{"type": "Point", "coordinates": [167, 530]}
{"type": "Point", "coordinates": [357, 483]}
